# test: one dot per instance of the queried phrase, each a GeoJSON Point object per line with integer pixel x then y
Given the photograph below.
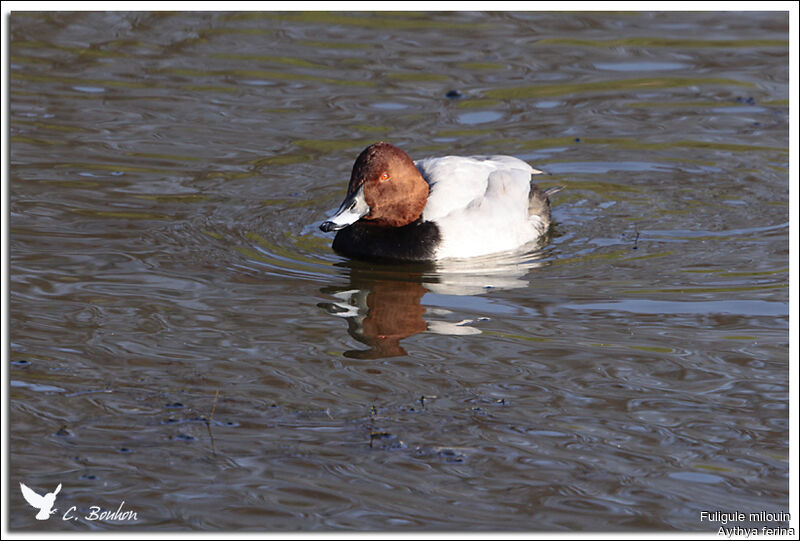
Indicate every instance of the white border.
{"type": "Point", "coordinates": [794, 188]}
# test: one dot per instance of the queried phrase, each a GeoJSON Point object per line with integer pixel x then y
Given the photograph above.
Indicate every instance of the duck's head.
{"type": "Point", "coordinates": [386, 189]}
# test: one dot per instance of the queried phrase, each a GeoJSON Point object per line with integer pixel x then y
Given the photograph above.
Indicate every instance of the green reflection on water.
{"type": "Point", "coordinates": [209, 88]}
{"type": "Point", "coordinates": [332, 145]}
{"type": "Point", "coordinates": [273, 59]}
{"type": "Point", "coordinates": [654, 349]}
{"type": "Point", "coordinates": [238, 31]}
{"type": "Point", "coordinates": [72, 183]}
{"type": "Point", "coordinates": [724, 272]}
{"type": "Point", "coordinates": [19, 59]}
{"type": "Point", "coordinates": [617, 254]}
{"type": "Point", "coordinates": [121, 214]}
{"type": "Point", "coordinates": [605, 188]}
{"type": "Point", "coordinates": [34, 141]}
{"type": "Point", "coordinates": [76, 81]}
{"type": "Point", "coordinates": [260, 74]}
{"type": "Point", "coordinates": [665, 42]}
{"type": "Point", "coordinates": [649, 256]}
{"type": "Point", "coordinates": [39, 125]}
{"type": "Point", "coordinates": [291, 203]}
{"type": "Point", "coordinates": [278, 255]}
{"type": "Point", "coordinates": [418, 76]}
{"type": "Point", "coordinates": [624, 143]}
{"type": "Point", "coordinates": [481, 65]}
{"type": "Point", "coordinates": [516, 336]}
{"type": "Point", "coordinates": [310, 243]}
{"type": "Point", "coordinates": [80, 51]}
{"type": "Point", "coordinates": [282, 159]}
{"type": "Point", "coordinates": [170, 198]}
{"type": "Point", "coordinates": [172, 157]}
{"type": "Point", "coordinates": [110, 167]}
{"type": "Point", "coordinates": [333, 44]}
{"type": "Point", "coordinates": [465, 132]}
{"type": "Point", "coordinates": [648, 83]}
{"type": "Point", "coordinates": [477, 103]}
{"type": "Point", "coordinates": [371, 129]}
{"type": "Point", "coordinates": [711, 468]}
{"type": "Point", "coordinates": [691, 290]}
{"type": "Point", "coordinates": [371, 21]}
{"type": "Point", "coordinates": [696, 104]}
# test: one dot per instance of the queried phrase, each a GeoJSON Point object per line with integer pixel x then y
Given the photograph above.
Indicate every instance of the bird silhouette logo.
{"type": "Point", "coordinates": [43, 503]}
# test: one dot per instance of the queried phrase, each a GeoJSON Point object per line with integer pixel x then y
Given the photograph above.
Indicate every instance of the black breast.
{"type": "Point", "coordinates": [416, 241]}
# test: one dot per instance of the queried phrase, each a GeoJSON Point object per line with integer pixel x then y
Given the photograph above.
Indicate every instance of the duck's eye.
{"type": "Point", "coordinates": [385, 177]}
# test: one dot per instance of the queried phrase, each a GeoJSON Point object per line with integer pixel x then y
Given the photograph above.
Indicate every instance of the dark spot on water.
{"type": "Point", "coordinates": [124, 450]}
{"type": "Point", "coordinates": [63, 432]}
{"type": "Point", "coordinates": [88, 476]}
{"type": "Point", "coordinates": [577, 139]}
{"type": "Point", "coordinates": [21, 363]}
{"type": "Point", "coordinates": [451, 456]}
{"type": "Point", "coordinates": [174, 405]}
{"type": "Point", "coordinates": [184, 437]}
{"type": "Point", "coordinates": [454, 94]}
{"type": "Point", "coordinates": [170, 420]}
{"type": "Point", "coordinates": [756, 124]}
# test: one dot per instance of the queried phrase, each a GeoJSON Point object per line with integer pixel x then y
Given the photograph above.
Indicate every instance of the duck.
{"type": "Point", "coordinates": [432, 209]}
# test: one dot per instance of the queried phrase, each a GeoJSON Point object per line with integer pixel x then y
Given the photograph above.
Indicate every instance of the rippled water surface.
{"type": "Point", "coordinates": [183, 338]}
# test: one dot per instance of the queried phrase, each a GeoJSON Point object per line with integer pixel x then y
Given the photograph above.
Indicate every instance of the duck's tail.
{"type": "Point", "coordinates": [539, 201]}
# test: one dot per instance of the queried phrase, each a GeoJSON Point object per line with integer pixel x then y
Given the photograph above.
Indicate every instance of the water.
{"type": "Point", "coordinates": [183, 338]}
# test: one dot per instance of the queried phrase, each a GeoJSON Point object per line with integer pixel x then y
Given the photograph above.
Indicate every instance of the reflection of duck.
{"type": "Point", "coordinates": [384, 307]}
{"type": "Point", "coordinates": [437, 208]}
{"type": "Point", "coordinates": [380, 314]}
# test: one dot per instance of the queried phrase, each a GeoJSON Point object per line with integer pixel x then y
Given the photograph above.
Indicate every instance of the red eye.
{"type": "Point", "coordinates": [385, 176]}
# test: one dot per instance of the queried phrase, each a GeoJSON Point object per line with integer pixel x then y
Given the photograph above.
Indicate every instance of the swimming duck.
{"type": "Point", "coordinates": [437, 208]}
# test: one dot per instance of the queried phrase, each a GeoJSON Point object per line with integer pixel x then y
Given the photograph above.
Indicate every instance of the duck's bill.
{"type": "Point", "coordinates": [353, 207]}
